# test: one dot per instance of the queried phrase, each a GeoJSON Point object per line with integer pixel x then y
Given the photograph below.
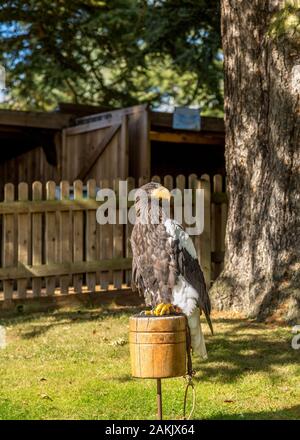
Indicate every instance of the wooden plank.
{"type": "Point", "coordinates": [78, 236]}
{"type": "Point", "coordinates": [21, 169]}
{"type": "Point", "coordinates": [63, 157]}
{"type": "Point", "coordinates": [98, 151]}
{"type": "Point", "coordinates": [139, 145]}
{"type": "Point", "coordinates": [144, 150]}
{"type": "Point", "coordinates": [205, 248]}
{"type": "Point", "coordinates": [180, 185]}
{"type": "Point", "coordinates": [31, 207]}
{"type": "Point", "coordinates": [219, 198]}
{"type": "Point", "coordinates": [37, 240]}
{"type": "Point", "coordinates": [113, 157]}
{"type": "Point", "coordinates": [156, 179]}
{"type": "Point", "coordinates": [123, 159]}
{"type": "Point", "coordinates": [90, 235]}
{"type": "Point", "coordinates": [55, 121]}
{"type": "Point", "coordinates": [217, 257]}
{"type": "Point", "coordinates": [193, 181]}
{"type": "Point", "coordinates": [105, 240]}
{"type": "Point", "coordinates": [180, 182]}
{"type": "Point", "coordinates": [186, 138]}
{"type": "Point", "coordinates": [128, 231]}
{"type": "Point", "coordinates": [162, 119]}
{"type": "Point", "coordinates": [107, 115]}
{"type": "Point", "coordinates": [81, 110]}
{"type": "Point", "coordinates": [63, 269]}
{"type": "Point", "coordinates": [64, 239]}
{"type": "Point", "coordinates": [23, 243]}
{"type": "Point", "coordinates": [104, 120]}
{"type": "Point", "coordinates": [50, 238]}
{"type": "Point", "coordinates": [193, 184]}
{"type": "Point", "coordinates": [118, 238]}
{"type": "Point", "coordinates": [217, 186]}
{"type": "Point", "coordinates": [8, 241]}
{"type": "Point", "coordinates": [168, 182]}
{"type": "Point", "coordinates": [213, 236]}
{"type": "Point", "coordinates": [142, 181]}
{"type": "Point", "coordinates": [224, 215]}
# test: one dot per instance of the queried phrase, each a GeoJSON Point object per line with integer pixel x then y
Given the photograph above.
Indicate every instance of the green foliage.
{"type": "Point", "coordinates": [285, 23]}
{"type": "Point", "coordinates": [113, 52]}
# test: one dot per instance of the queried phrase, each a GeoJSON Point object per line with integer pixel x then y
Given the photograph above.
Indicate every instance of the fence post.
{"type": "Point", "coordinates": [180, 185]}
{"type": "Point", "coordinates": [105, 244]}
{"type": "Point", "coordinates": [129, 226]}
{"type": "Point", "coordinates": [8, 241]}
{"type": "Point", "coordinates": [193, 184]}
{"type": "Point", "coordinates": [50, 238]}
{"type": "Point", "coordinates": [205, 243]}
{"type": "Point", "coordinates": [36, 238]}
{"type": "Point", "coordinates": [23, 233]}
{"type": "Point", "coordinates": [168, 182]}
{"type": "Point", "coordinates": [90, 235]}
{"type": "Point", "coordinates": [65, 229]}
{"type": "Point", "coordinates": [78, 235]}
{"type": "Point", "coordinates": [217, 182]}
{"type": "Point", "coordinates": [155, 179]}
{"type": "Point", "coordinates": [224, 214]}
{"type": "Point", "coordinates": [117, 241]}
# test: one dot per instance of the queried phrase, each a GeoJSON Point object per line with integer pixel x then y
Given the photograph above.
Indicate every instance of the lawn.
{"type": "Point", "coordinates": [74, 364]}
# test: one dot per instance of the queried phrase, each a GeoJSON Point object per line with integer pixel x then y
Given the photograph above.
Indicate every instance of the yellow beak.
{"type": "Point", "coordinates": [161, 193]}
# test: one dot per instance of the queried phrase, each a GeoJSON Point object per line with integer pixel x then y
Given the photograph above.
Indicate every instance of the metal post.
{"type": "Point", "coordinates": [159, 400]}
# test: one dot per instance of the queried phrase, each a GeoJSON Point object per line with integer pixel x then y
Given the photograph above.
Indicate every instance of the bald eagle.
{"type": "Point", "coordinates": [165, 268]}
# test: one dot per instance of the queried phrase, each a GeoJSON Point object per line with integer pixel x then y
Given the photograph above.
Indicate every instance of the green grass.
{"type": "Point", "coordinates": [74, 364]}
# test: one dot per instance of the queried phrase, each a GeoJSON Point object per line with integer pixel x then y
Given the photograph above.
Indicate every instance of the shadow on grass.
{"type": "Point", "coordinates": [125, 378]}
{"type": "Point", "coordinates": [245, 347]}
{"type": "Point", "coordinates": [64, 317]}
{"type": "Point", "coordinates": [239, 347]}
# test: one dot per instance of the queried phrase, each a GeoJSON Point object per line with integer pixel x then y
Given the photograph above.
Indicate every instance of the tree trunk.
{"type": "Point", "coordinates": [261, 275]}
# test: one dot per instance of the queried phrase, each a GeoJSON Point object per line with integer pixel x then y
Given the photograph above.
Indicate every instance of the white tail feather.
{"type": "Point", "coordinates": [197, 337]}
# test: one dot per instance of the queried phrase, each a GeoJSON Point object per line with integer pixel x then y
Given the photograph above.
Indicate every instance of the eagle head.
{"type": "Point", "coordinates": [152, 190]}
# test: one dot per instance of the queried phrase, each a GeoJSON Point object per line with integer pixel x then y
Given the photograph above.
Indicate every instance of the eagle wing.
{"type": "Point", "coordinates": [188, 265]}
{"type": "Point", "coordinates": [161, 254]}
{"type": "Point", "coordinates": [151, 265]}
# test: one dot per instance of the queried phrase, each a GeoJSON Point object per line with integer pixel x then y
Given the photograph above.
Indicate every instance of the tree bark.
{"type": "Point", "coordinates": [261, 275]}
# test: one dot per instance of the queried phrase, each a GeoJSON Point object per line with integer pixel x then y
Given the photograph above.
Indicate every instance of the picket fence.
{"type": "Point", "coordinates": [51, 243]}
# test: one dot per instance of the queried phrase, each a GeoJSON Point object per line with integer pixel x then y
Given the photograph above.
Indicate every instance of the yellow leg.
{"type": "Point", "coordinates": [164, 309]}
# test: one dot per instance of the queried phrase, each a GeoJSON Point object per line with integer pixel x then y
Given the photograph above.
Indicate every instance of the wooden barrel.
{"type": "Point", "coordinates": [157, 346]}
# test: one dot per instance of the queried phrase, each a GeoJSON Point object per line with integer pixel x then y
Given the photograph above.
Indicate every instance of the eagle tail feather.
{"type": "Point", "coordinates": [209, 322]}
{"type": "Point", "coordinates": [197, 337]}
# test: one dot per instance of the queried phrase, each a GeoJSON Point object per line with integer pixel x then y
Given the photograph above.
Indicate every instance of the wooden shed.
{"type": "Point", "coordinates": [31, 142]}
{"type": "Point", "coordinates": [82, 142]}
{"type": "Point", "coordinates": [138, 142]}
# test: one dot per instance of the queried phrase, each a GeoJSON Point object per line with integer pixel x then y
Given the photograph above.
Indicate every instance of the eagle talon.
{"type": "Point", "coordinates": [165, 309]}
{"type": "Point", "coordinates": [146, 312]}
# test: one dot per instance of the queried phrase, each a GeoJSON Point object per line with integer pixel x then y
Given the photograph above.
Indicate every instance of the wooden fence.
{"type": "Point", "coordinates": [51, 243]}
